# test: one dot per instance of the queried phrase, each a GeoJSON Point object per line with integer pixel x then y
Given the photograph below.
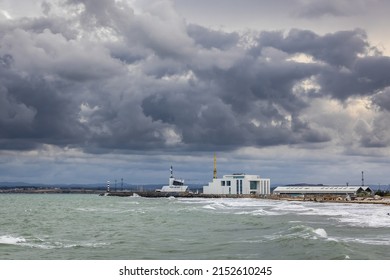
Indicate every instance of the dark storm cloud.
{"type": "Point", "coordinates": [374, 136]}
{"type": "Point", "coordinates": [364, 78]}
{"type": "Point", "coordinates": [382, 99]}
{"type": "Point", "coordinates": [212, 39]}
{"type": "Point", "coordinates": [247, 104]}
{"type": "Point", "coordinates": [55, 25]}
{"type": "Point", "coordinates": [337, 49]}
{"type": "Point", "coordinates": [35, 111]}
{"type": "Point", "coordinates": [347, 71]}
{"type": "Point", "coordinates": [104, 78]}
{"type": "Point", "coordinates": [312, 9]}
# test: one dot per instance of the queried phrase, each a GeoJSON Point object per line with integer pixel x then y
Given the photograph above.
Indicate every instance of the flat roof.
{"type": "Point", "coordinates": [320, 189]}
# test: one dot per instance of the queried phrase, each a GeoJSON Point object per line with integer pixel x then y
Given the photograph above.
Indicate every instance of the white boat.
{"type": "Point", "coordinates": [175, 185]}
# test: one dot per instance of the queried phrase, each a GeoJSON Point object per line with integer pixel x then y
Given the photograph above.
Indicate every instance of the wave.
{"type": "Point", "coordinates": [257, 212]}
{"type": "Point", "coordinates": [307, 232]}
{"type": "Point", "coordinates": [63, 245]}
{"type": "Point", "coordinates": [372, 216]}
{"type": "Point", "coordinates": [107, 210]}
{"type": "Point", "coordinates": [215, 205]}
{"type": "Point", "coordinates": [369, 241]}
{"type": "Point", "coordinates": [208, 207]}
{"type": "Point", "coordinates": [40, 243]}
{"type": "Point", "coordinates": [321, 233]}
{"type": "Point", "coordinates": [299, 232]}
{"type": "Point", "coordinates": [11, 240]}
{"type": "Point", "coordinates": [371, 220]}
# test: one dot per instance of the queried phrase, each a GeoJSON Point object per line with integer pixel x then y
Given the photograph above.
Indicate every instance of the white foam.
{"type": "Point", "coordinates": [321, 232]}
{"type": "Point", "coordinates": [377, 241]}
{"type": "Point", "coordinates": [7, 239]}
{"type": "Point", "coordinates": [208, 207]}
{"type": "Point", "coordinates": [355, 215]}
{"type": "Point", "coordinates": [49, 245]}
{"type": "Point", "coordinates": [87, 209]}
{"type": "Point", "coordinates": [257, 212]}
{"type": "Point", "coordinates": [305, 232]}
{"type": "Point", "coordinates": [373, 218]}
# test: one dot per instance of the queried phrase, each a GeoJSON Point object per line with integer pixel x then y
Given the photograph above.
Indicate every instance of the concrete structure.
{"type": "Point", "coordinates": [239, 184]}
{"type": "Point", "coordinates": [321, 190]}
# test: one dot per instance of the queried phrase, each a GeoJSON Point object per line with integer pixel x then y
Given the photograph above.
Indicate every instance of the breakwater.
{"type": "Point", "coordinates": [176, 194]}
{"type": "Point", "coordinates": [154, 194]}
{"type": "Point", "coordinates": [319, 199]}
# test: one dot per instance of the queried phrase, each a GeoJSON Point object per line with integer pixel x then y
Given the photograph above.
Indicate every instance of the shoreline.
{"type": "Point", "coordinates": [153, 194]}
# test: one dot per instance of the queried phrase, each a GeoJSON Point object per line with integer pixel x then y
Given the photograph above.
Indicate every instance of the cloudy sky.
{"type": "Point", "coordinates": [97, 90]}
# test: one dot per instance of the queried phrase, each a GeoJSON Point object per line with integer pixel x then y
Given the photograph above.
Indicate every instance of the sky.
{"type": "Point", "coordinates": [297, 91]}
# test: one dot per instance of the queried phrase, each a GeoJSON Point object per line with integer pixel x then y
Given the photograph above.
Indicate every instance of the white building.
{"type": "Point", "coordinates": [239, 184]}
{"type": "Point", "coordinates": [174, 185]}
{"type": "Point", "coordinates": [321, 190]}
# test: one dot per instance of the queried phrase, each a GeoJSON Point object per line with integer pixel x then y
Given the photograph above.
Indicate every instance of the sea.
{"type": "Point", "coordinates": [92, 227]}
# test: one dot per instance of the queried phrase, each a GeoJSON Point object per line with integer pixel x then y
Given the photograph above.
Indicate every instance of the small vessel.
{"type": "Point", "coordinates": [175, 185]}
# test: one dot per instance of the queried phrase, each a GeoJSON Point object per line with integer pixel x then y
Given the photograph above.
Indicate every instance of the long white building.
{"type": "Point", "coordinates": [321, 190]}
{"type": "Point", "coordinates": [239, 184]}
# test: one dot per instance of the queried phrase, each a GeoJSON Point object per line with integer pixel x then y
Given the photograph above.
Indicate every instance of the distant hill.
{"type": "Point", "coordinates": [18, 184]}
{"type": "Point", "coordinates": [100, 186]}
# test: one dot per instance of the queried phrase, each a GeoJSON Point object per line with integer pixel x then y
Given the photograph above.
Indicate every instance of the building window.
{"type": "Point", "coordinates": [222, 183]}
{"type": "Point", "coordinates": [253, 185]}
{"type": "Point", "coordinates": [228, 183]}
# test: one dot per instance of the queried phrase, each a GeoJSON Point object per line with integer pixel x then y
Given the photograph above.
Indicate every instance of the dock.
{"type": "Point", "coordinates": [152, 194]}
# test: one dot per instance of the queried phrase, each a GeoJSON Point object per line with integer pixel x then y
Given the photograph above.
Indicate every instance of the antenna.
{"type": "Point", "coordinates": [215, 167]}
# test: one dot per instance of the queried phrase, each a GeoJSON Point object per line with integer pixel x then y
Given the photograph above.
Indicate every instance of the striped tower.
{"type": "Point", "coordinates": [215, 167]}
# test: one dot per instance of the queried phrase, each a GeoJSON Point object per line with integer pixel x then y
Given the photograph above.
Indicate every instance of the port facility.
{"type": "Point", "coordinates": [321, 190]}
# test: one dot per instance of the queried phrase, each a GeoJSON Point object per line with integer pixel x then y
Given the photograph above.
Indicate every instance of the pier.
{"type": "Point", "coordinates": [175, 194]}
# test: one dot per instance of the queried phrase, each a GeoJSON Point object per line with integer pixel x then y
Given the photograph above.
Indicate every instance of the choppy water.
{"type": "Point", "coordinates": [70, 226]}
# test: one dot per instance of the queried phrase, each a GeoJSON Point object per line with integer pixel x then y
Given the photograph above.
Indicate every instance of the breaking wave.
{"type": "Point", "coordinates": [11, 240]}
{"type": "Point", "coordinates": [300, 232]}
{"type": "Point", "coordinates": [40, 243]}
